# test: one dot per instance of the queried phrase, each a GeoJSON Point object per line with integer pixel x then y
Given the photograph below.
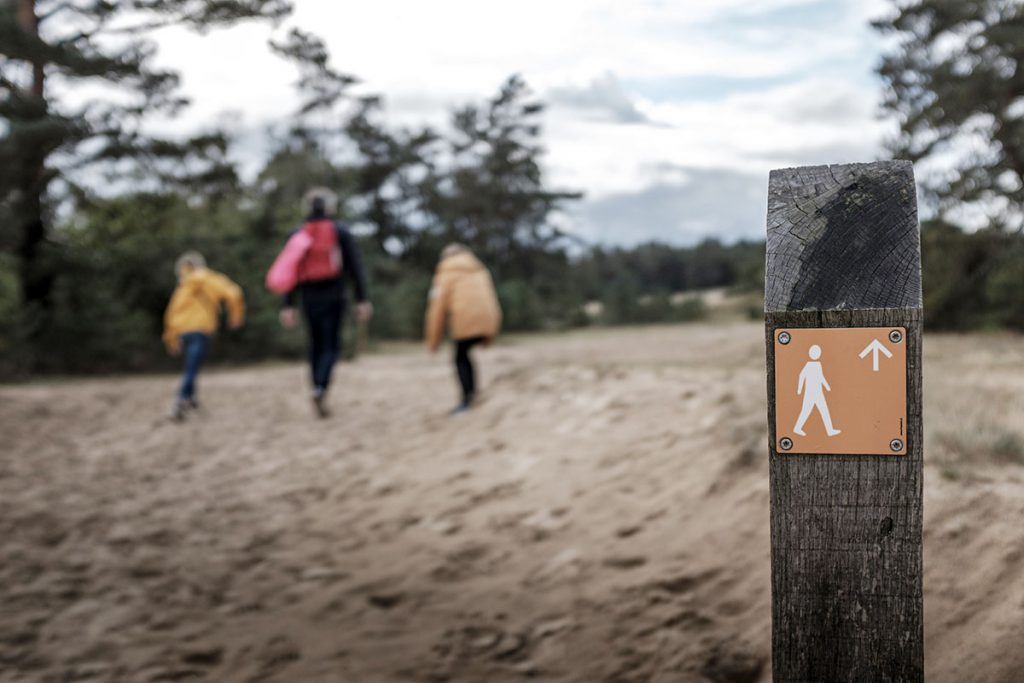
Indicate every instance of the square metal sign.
{"type": "Point", "coordinates": [841, 390]}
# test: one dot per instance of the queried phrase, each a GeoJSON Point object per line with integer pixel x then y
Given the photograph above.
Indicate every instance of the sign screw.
{"type": "Point", "coordinates": [784, 337]}
{"type": "Point", "coordinates": [895, 336]}
{"type": "Point", "coordinates": [785, 443]}
{"type": "Point", "coordinates": [896, 445]}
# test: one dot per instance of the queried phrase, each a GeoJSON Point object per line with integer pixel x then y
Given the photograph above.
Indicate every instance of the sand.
{"type": "Point", "coordinates": [602, 516]}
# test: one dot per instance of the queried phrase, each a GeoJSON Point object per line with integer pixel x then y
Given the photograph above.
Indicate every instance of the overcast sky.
{"type": "Point", "coordinates": [667, 114]}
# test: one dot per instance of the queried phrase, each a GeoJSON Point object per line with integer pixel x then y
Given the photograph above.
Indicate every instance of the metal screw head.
{"type": "Point", "coordinates": [895, 336]}
{"type": "Point", "coordinates": [784, 337]}
{"type": "Point", "coordinates": [785, 443]}
{"type": "Point", "coordinates": [896, 445]}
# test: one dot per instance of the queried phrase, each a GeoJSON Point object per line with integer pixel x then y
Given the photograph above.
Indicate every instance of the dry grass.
{"type": "Point", "coordinates": [983, 445]}
{"type": "Point", "coordinates": [974, 403]}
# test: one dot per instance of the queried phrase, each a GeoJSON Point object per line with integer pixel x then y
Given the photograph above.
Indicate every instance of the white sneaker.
{"type": "Point", "coordinates": [178, 411]}
{"type": "Point", "coordinates": [320, 403]}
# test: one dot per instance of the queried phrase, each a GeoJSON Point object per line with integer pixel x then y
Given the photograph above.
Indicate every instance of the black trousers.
{"type": "Point", "coordinates": [324, 309]}
{"type": "Point", "coordinates": [464, 366]}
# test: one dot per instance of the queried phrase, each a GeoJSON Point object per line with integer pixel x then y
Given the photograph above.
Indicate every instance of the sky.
{"type": "Point", "coordinates": [667, 114]}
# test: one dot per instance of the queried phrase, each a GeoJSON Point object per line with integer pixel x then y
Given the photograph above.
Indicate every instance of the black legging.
{"type": "Point", "coordinates": [464, 366]}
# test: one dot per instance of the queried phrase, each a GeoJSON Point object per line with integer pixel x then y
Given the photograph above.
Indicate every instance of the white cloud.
{"type": "Point", "coordinates": [809, 121]}
{"type": "Point", "coordinates": [604, 98]}
{"type": "Point", "coordinates": [703, 202]}
{"type": "Point", "coordinates": [786, 91]}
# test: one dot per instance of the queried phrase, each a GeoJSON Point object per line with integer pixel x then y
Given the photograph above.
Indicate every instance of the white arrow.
{"type": "Point", "coordinates": [874, 348]}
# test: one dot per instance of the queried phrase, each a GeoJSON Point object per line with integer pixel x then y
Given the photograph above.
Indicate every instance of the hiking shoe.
{"type": "Point", "coordinates": [178, 411]}
{"type": "Point", "coordinates": [320, 403]}
{"type": "Point", "coordinates": [461, 409]}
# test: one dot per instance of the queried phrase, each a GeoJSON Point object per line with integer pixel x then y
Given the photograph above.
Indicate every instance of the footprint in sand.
{"type": "Point", "coordinates": [278, 652]}
{"type": "Point", "coordinates": [470, 560]}
{"type": "Point", "coordinates": [531, 527]}
{"type": "Point", "coordinates": [625, 562]}
{"type": "Point", "coordinates": [385, 599]}
{"type": "Point", "coordinates": [684, 582]}
{"type": "Point", "coordinates": [208, 655]}
{"type": "Point", "coordinates": [628, 531]}
{"type": "Point", "coordinates": [446, 526]}
{"type": "Point", "coordinates": [733, 660]}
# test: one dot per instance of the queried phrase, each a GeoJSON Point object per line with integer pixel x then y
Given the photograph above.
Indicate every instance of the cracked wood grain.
{"type": "Point", "coordinates": [838, 238]}
{"type": "Point", "coordinates": [843, 251]}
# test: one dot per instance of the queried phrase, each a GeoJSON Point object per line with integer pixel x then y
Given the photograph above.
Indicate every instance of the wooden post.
{"type": "Point", "coordinates": [843, 251]}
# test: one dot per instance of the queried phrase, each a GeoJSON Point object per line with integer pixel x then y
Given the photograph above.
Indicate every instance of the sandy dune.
{"type": "Point", "coordinates": [601, 517]}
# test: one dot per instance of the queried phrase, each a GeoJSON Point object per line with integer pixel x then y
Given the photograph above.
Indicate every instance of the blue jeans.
{"type": "Point", "coordinates": [193, 348]}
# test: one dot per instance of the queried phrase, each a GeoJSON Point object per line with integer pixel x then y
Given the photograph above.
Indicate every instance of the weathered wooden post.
{"type": "Point", "coordinates": [843, 329]}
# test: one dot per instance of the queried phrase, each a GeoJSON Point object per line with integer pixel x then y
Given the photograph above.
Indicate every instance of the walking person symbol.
{"type": "Point", "coordinates": [813, 386]}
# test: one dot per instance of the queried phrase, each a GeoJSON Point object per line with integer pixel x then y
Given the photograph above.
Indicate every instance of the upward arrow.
{"type": "Point", "coordinates": [874, 348]}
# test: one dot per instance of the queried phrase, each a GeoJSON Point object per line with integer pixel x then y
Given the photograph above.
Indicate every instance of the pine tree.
{"type": "Point", "coordinates": [49, 143]}
{"type": "Point", "coordinates": [956, 82]}
{"type": "Point", "coordinates": [347, 137]}
{"type": "Point", "coordinates": [491, 193]}
{"type": "Point", "coordinates": [391, 165]}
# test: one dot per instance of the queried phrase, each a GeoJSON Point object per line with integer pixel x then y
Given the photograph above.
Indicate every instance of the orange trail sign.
{"type": "Point", "coordinates": [833, 395]}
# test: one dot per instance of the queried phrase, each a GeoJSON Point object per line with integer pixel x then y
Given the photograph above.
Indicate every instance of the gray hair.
{"type": "Point", "coordinates": [453, 249]}
{"type": "Point", "coordinates": [192, 259]}
{"type": "Point", "coordinates": [323, 196]}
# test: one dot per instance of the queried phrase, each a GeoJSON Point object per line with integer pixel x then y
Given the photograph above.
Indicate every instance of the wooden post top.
{"type": "Point", "coordinates": [843, 237]}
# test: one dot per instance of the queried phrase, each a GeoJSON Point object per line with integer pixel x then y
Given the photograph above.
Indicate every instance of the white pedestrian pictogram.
{"type": "Point", "coordinates": [813, 386]}
{"type": "Point", "coordinates": [874, 348]}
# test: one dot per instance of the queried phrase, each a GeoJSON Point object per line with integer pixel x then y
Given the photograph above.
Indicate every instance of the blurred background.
{"type": "Point", "coordinates": [602, 515]}
{"type": "Point", "coordinates": [601, 162]}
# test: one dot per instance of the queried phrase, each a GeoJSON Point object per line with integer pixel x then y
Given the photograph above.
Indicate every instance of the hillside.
{"type": "Point", "coordinates": [602, 516]}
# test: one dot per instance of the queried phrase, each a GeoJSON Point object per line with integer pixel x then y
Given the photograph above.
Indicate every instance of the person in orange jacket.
{"type": "Point", "coordinates": [191, 319]}
{"type": "Point", "coordinates": [462, 295]}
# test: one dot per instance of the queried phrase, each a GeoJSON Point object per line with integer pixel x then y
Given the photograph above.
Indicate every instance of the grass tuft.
{"type": "Point", "coordinates": [1008, 447]}
{"type": "Point", "coordinates": [983, 445]}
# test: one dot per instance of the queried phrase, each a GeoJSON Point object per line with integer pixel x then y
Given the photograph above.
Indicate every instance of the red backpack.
{"type": "Point", "coordinates": [323, 259]}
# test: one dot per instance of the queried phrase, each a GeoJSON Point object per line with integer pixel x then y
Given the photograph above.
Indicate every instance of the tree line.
{"type": "Point", "coordinates": [85, 271]}
{"type": "Point", "coordinates": [113, 272]}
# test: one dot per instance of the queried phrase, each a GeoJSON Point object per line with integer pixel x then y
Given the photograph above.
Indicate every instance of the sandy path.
{"type": "Point", "coordinates": [601, 517]}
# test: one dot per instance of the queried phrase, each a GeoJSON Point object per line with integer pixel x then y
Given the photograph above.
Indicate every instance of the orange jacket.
{"type": "Point", "coordinates": [195, 305]}
{"type": "Point", "coordinates": [463, 294]}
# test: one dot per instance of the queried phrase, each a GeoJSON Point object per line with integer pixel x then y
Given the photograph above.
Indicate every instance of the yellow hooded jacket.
{"type": "Point", "coordinates": [463, 294]}
{"type": "Point", "coordinates": [195, 305]}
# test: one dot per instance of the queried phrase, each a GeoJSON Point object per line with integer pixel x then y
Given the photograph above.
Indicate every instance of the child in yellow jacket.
{"type": "Point", "coordinates": [191, 318]}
